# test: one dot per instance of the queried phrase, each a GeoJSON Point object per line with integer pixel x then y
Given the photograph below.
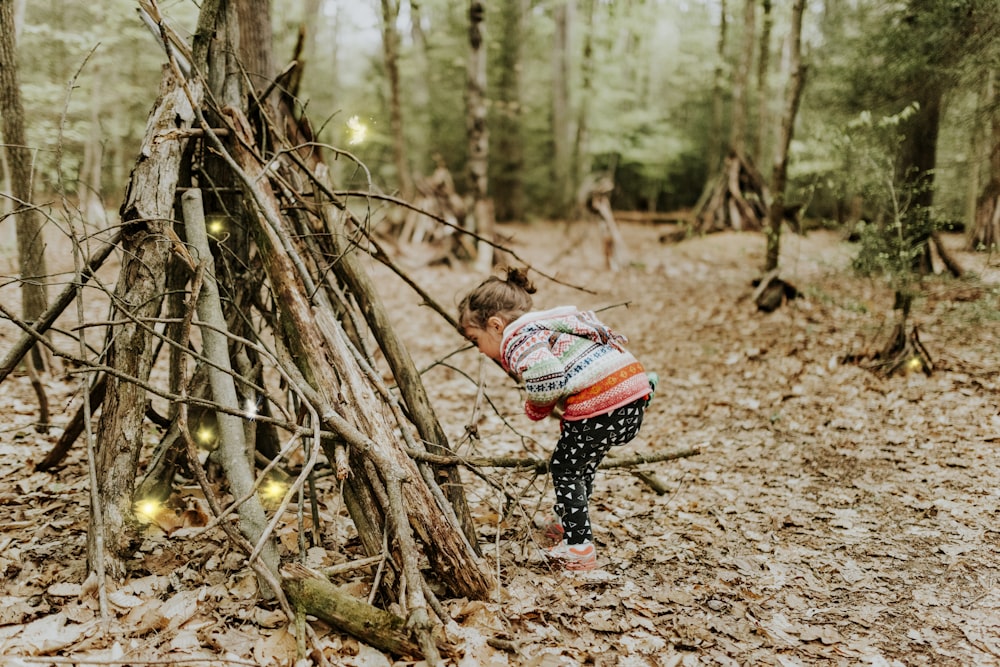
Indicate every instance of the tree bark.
{"type": "Point", "coordinates": [741, 79]}
{"type": "Point", "coordinates": [479, 136]}
{"type": "Point", "coordinates": [390, 51]}
{"type": "Point", "coordinates": [562, 188]}
{"type": "Point", "coordinates": [146, 217]}
{"type": "Point", "coordinates": [380, 629]}
{"type": "Point", "coordinates": [793, 95]}
{"type": "Point", "coordinates": [984, 232]}
{"type": "Point", "coordinates": [411, 387]}
{"type": "Point", "coordinates": [30, 239]}
{"type": "Point", "coordinates": [760, 137]}
{"type": "Point", "coordinates": [581, 158]}
{"type": "Point", "coordinates": [507, 180]}
{"type": "Point", "coordinates": [718, 150]}
{"type": "Point", "coordinates": [255, 43]}
{"type": "Point", "coordinates": [233, 454]}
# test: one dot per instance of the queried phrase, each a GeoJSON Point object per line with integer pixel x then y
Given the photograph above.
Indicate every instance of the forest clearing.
{"type": "Point", "coordinates": [830, 516]}
{"type": "Point", "coordinates": [253, 415]}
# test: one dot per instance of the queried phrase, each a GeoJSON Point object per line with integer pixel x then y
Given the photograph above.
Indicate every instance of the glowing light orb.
{"type": "Point", "coordinates": [146, 510]}
{"type": "Point", "coordinates": [251, 408]}
{"type": "Point", "coordinates": [356, 130]}
{"type": "Point", "coordinates": [205, 436]}
{"type": "Point", "coordinates": [273, 490]}
{"type": "Point", "coordinates": [216, 227]}
{"type": "Point", "coordinates": [914, 364]}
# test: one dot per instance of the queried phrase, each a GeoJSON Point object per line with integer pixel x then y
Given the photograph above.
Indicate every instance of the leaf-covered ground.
{"type": "Point", "coordinates": [830, 516]}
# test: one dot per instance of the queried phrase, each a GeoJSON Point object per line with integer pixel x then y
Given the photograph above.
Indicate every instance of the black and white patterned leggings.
{"type": "Point", "coordinates": [581, 447]}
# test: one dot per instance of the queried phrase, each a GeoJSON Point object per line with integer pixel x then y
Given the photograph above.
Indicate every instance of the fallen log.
{"type": "Point", "coordinates": [380, 629]}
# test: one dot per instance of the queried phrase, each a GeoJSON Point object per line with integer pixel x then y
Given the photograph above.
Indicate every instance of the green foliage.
{"type": "Point", "coordinates": [113, 64]}
{"type": "Point", "coordinates": [648, 110]}
{"type": "Point", "coordinates": [893, 235]}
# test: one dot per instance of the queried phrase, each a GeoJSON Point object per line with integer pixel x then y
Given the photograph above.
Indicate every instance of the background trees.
{"type": "Point", "coordinates": [575, 88]}
{"type": "Point", "coordinates": [634, 78]}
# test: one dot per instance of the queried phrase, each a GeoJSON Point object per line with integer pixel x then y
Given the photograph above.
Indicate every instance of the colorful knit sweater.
{"type": "Point", "coordinates": [570, 357]}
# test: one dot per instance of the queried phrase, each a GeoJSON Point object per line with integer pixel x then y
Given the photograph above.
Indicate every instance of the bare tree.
{"type": "Point", "coordinates": [759, 141]}
{"type": "Point", "coordinates": [390, 50]}
{"type": "Point", "coordinates": [479, 136]}
{"type": "Point", "coordinates": [985, 229]}
{"type": "Point", "coordinates": [718, 87]}
{"type": "Point", "coordinates": [30, 238]}
{"type": "Point", "coordinates": [507, 181]}
{"type": "Point", "coordinates": [793, 94]}
{"type": "Point", "coordinates": [562, 187]}
{"type": "Point", "coordinates": [741, 79]}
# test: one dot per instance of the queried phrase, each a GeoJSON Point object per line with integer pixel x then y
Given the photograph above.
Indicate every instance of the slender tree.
{"type": "Point", "coordinates": [793, 94]}
{"type": "Point", "coordinates": [562, 19]}
{"type": "Point", "coordinates": [479, 137]}
{"type": "Point", "coordinates": [508, 165]}
{"type": "Point", "coordinates": [581, 160]}
{"type": "Point", "coordinates": [718, 92]}
{"type": "Point", "coordinates": [741, 79]}
{"type": "Point", "coordinates": [30, 238]}
{"type": "Point", "coordinates": [390, 51]}
{"type": "Point", "coordinates": [984, 233]}
{"type": "Point", "coordinates": [759, 138]}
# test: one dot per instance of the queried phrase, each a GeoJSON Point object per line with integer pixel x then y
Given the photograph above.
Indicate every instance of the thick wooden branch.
{"type": "Point", "coordinates": [380, 629]}
{"type": "Point", "coordinates": [233, 454]}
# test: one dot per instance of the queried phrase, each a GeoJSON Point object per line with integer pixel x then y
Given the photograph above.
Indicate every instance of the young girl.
{"type": "Point", "coordinates": [572, 366]}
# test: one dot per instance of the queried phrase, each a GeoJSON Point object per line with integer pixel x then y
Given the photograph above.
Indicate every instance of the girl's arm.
{"type": "Point", "coordinates": [543, 373]}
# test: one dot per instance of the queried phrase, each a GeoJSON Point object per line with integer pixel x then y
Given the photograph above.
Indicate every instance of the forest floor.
{"type": "Point", "coordinates": [830, 516]}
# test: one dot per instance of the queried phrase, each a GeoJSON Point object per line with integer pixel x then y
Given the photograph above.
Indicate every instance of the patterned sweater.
{"type": "Point", "coordinates": [569, 356]}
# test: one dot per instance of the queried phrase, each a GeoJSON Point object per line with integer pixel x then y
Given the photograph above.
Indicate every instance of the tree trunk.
{"type": "Point", "coordinates": [917, 159]}
{"type": "Point", "coordinates": [793, 94]}
{"type": "Point", "coordinates": [760, 137]}
{"type": "Point", "coordinates": [30, 238]}
{"type": "Point", "coordinates": [580, 145]}
{"type": "Point", "coordinates": [718, 147]}
{"type": "Point", "coordinates": [741, 79]}
{"type": "Point", "coordinates": [985, 230]}
{"type": "Point", "coordinates": [255, 43]}
{"type": "Point", "coordinates": [390, 51]}
{"type": "Point", "coordinates": [411, 387]}
{"type": "Point", "coordinates": [380, 629]}
{"type": "Point", "coordinates": [508, 186]}
{"type": "Point", "coordinates": [146, 219]}
{"type": "Point", "coordinates": [91, 201]}
{"type": "Point", "coordinates": [562, 10]}
{"type": "Point", "coordinates": [479, 136]}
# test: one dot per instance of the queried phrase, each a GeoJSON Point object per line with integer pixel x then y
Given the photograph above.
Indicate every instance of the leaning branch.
{"type": "Point", "coordinates": [48, 318]}
{"type": "Point", "coordinates": [542, 465]}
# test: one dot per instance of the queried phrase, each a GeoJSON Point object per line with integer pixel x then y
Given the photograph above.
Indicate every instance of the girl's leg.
{"type": "Point", "coordinates": [569, 466]}
{"type": "Point", "coordinates": [582, 446]}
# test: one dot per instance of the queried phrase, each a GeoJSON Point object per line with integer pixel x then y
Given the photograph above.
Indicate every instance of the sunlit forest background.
{"type": "Point", "coordinates": [643, 80]}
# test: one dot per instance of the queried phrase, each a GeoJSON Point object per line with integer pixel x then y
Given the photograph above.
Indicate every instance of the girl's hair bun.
{"type": "Point", "coordinates": [519, 278]}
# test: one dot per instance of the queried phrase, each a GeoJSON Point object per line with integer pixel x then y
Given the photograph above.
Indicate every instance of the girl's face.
{"type": "Point", "coordinates": [488, 339]}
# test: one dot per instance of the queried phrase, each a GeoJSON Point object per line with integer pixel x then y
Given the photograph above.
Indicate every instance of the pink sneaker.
{"type": "Point", "coordinates": [574, 557]}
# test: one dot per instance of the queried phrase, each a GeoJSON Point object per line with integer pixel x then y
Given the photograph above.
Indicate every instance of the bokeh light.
{"type": "Point", "coordinates": [356, 131]}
